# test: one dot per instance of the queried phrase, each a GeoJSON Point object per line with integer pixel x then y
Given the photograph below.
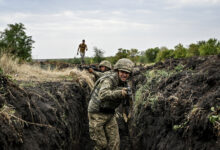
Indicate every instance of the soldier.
{"type": "Point", "coordinates": [105, 67]}
{"type": "Point", "coordinates": [109, 92]}
{"type": "Point", "coordinates": [82, 49]}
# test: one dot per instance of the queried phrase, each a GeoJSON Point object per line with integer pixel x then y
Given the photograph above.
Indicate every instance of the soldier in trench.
{"type": "Point", "coordinates": [105, 68]}
{"type": "Point", "coordinates": [109, 92]}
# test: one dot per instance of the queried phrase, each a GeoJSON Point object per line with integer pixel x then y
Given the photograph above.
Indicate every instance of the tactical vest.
{"type": "Point", "coordinates": [106, 106]}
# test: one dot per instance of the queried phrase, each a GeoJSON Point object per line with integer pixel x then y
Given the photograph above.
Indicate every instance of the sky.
{"type": "Point", "coordinates": [58, 26]}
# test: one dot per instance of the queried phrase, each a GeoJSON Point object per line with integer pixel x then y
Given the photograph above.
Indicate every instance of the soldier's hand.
{"type": "Point", "coordinates": [77, 53]}
{"type": "Point", "coordinates": [125, 117]}
{"type": "Point", "coordinates": [91, 70]}
{"type": "Point", "coordinates": [124, 92]}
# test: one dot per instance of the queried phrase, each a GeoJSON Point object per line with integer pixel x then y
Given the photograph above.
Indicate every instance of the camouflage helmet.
{"type": "Point", "coordinates": [124, 64]}
{"type": "Point", "coordinates": [106, 63]}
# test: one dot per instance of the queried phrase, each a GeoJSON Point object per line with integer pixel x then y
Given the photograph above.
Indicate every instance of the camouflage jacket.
{"type": "Point", "coordinates": [107, 94]}
{"type": "Point", "coordinates": [100, 74]}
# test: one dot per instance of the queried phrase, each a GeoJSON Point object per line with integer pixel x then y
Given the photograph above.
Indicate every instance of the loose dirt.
{"type": "Point", "coordinates": [38, 116]}
{"type": "Point", "coordinates": [176, 107]}
{"type": "Point", "coordinates": [179, 110]}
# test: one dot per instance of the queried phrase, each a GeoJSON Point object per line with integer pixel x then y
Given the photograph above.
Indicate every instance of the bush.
{"type": "Point", "coordinates": [151, 54]}
{"type": "Point", "coordinates": [211, 47]}
{"type": "Point", "coordinates": [193, 50]}
{"type": "Point", "coordinates": [164, 54]}
{"type": "Point", "coordinates": [180, 51]}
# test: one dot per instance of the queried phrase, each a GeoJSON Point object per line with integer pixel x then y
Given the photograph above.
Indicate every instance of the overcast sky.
{"type": "Point", "coordinates": [58, 26]}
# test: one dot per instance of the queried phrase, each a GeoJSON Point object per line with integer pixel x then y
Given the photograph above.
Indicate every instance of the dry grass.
{"type": "Point", "coordinates": [7, 111]}
{"type": "Point", "coordinates": [27, 72]}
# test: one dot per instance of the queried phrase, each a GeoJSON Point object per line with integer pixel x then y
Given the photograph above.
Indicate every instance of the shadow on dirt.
{"type": "Point", "coordinates": [177, 104]}
{"type": "Point", "coordinates": [179, 109]}
{"type": "Point", "coordinates": [42, 116]}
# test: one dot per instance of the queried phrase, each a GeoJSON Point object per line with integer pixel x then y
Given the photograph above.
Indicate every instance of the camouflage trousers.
{"type": "Point", "coordinates": [104, 132]}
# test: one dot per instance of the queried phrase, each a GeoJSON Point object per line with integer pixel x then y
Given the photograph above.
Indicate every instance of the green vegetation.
{"type": "Point", "coordinates": [211, 47]}
{"type": "Point", "coordinates": [151, 54]}
{"type": "Point", "coordinates": [14, 41]}
{"type": "Point", "coordinates": [98, 57]}
{"type": "Point", "coordinates": [214, 118]}
{"type": "Point", "coordinates": [145, 94]}
{"type": "Point", "coordinates": [164, 54]}
{"type": "Point", "coordinates": [176, 127]}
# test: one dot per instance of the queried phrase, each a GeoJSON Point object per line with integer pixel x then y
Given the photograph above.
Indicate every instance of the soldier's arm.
{"type": "Point", "coordinates": [79, 48]}
{"type": "Point", "coordinates": [98, 74]}
{"type": "Point", "coordinates": [108, 92]}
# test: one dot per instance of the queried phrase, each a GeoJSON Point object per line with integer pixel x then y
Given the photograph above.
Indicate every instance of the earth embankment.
{"type": "Point", "coordinates": [178, 106]}
{"type": "Point", "coordinates": [48, 115]}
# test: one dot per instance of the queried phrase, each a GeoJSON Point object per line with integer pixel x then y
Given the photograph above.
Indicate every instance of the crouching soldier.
{"type": "Point", "coordinates": [105, 67]}
{"type": "Point", "coordinates": [109, 92]}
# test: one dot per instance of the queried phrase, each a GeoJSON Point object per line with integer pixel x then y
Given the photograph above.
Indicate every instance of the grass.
{"type": "Point", "coordinates": [25, 72]}
{"type": "Point", "coordinates": [146, 94]}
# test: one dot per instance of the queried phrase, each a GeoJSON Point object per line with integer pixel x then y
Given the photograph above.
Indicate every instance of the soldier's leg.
{"type": "Point", "coordinates": [82, 58]}
{"type": "Point", "coordinates": [112, 134]}
{"type": "Point", "coordinates": [96, 130]}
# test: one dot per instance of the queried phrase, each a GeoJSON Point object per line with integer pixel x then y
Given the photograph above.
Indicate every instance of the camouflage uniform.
{"type": "Point", "coordinates": [105, 98]}
{"type": "Point", "coordinates": [98, 74]}
{"type": "Point", "coordinates": [104, 63]}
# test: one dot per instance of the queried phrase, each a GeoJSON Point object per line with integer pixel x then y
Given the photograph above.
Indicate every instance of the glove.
{"type": "Point", "coordinates": [77, 53]}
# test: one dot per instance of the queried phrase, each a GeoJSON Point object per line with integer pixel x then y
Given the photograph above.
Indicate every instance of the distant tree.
{"type": "Point", "coordinates": [142, 59]}
{"type": "Point", "coordinates": [98, 57]}
{"type": "Point", "coordinates": [218, 50]}
{"type": "Point", "coordinates": [193, 50]}
{"type": "Point", "coordinates": [180, 51]}
{"type": "Point", "coordinates": [151, 54]}
{"type": "Point", "coordinates": [15, 41]}
{"type": "Point", "coordinates": [134, 54]}
{"type": "Point", "coordinates": [164, 53]}
{"type": "Point", "coordinates": [122, 53]}
{"type": "Point", "coordinates": [211, 47]}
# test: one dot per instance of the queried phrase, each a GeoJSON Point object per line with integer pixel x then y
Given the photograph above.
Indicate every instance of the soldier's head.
{"type": "Point", "coordinates": [124, 68]}
{"type": "Point", "coordinates": [105, 66]}
{"type": "Point", "coordinates": [83, 41]}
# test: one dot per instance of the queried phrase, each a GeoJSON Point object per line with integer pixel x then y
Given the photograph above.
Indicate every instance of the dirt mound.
{"type": "Point", "coordinates": [39, 116]}
{"type": "Point", "coordinates": [179, 107]}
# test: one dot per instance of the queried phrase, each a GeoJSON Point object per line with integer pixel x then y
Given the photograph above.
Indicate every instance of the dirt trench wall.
{"type": "Point", "coordinates": [42, 116]}
{"type": "Point", "coordinates": [180, 110]}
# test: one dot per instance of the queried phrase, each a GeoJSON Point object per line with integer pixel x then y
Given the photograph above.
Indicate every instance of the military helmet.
{"type": "Point", "coordinates": [106, 63]}
{"type": "Point", "coordinates": [124, 64]}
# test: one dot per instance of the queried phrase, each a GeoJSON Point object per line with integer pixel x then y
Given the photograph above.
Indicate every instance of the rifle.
{"type": "Point", "coordinates": [88, 67]}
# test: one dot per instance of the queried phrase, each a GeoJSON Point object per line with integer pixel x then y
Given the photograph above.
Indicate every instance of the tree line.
{"type": "Point", "coordinates": [152, 55]}
{"type": "Point", "coordinates": [15, 41]}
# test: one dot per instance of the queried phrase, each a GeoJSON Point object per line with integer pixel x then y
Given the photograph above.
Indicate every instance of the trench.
{"type": "Point", "coordinates": [172, 110]}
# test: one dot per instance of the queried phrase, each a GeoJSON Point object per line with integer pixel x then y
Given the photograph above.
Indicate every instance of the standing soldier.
{"type": "Point", "coordinates": [82, 49]}
{"type": "Point", "coordinates": [109, 92]}
{"type": "Point", "coordinates": [105, 67]}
